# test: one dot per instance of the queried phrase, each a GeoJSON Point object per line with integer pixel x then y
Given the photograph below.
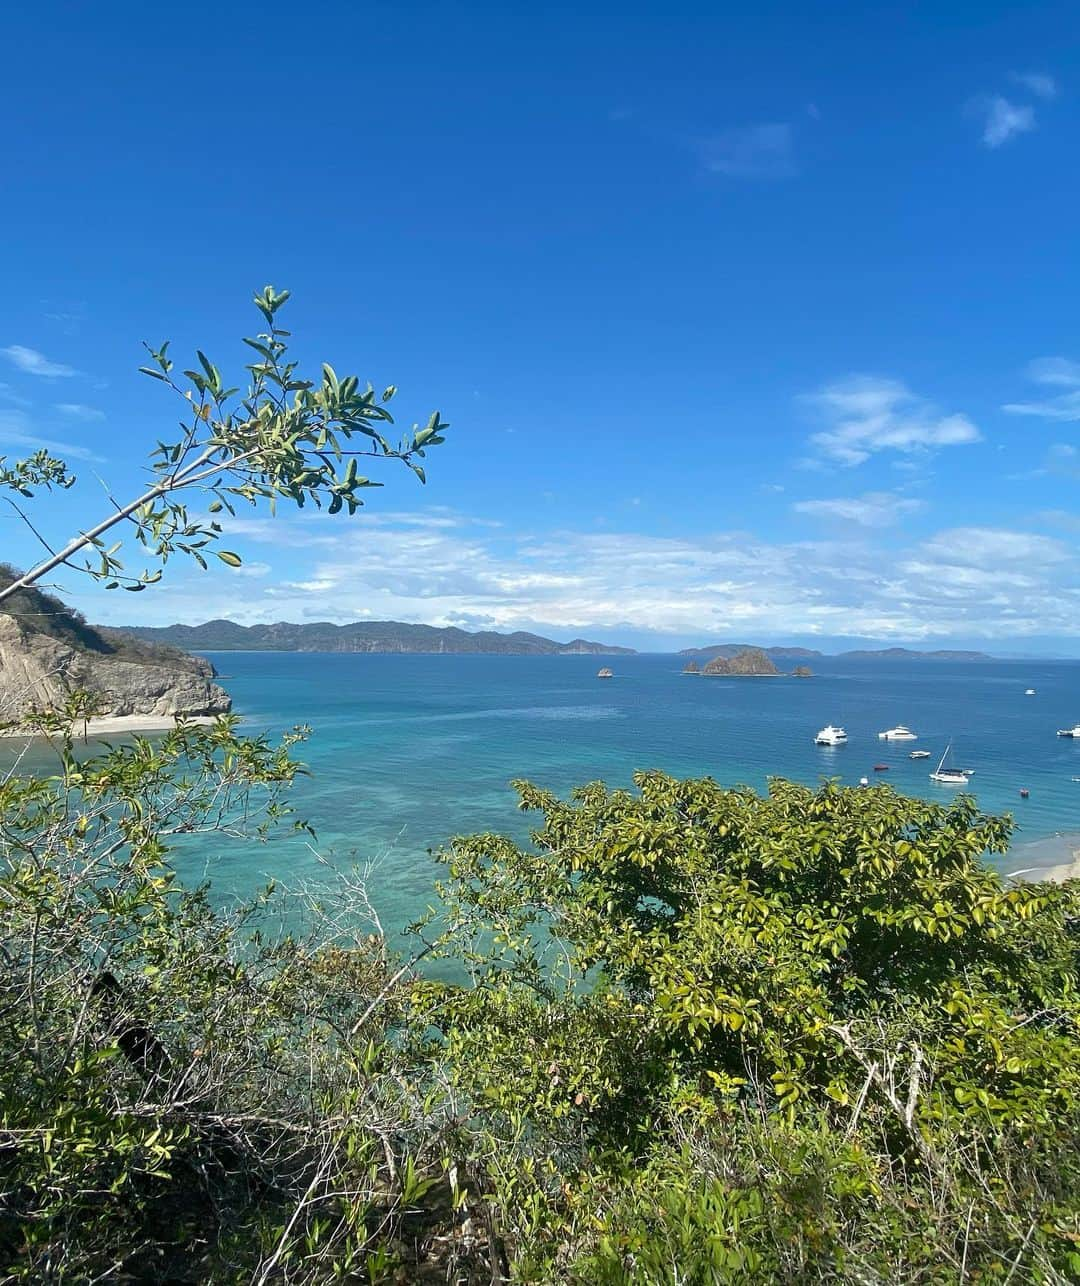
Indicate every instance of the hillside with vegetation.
{"type": "Point", "coordinates": [363, 636]}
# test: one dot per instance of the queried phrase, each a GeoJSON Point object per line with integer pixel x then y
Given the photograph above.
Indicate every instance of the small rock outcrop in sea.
{"type": "Point", "coordinates": [47, 650]}
{"type": "Point", "coordinates": [802, 672]}
{"type": "Point", "coordinates": [691, 667]}
{"type": "Point", "coordinates": [752, 662]}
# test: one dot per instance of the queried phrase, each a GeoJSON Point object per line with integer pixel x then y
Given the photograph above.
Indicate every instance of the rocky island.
{"type": "Point", "coordinates": [48, 651]}
{"type": "Point", "coordinates": [752, 662]}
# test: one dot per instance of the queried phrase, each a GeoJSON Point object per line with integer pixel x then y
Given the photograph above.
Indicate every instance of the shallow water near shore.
{"type": "Point", "coordinates": [408, 751]}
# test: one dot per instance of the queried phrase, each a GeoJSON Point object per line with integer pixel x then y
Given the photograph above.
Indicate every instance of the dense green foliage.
{"type": "Point", "coordinates": [695, 1035]}
{"type": "Point", "coordinates": [810, 1034]}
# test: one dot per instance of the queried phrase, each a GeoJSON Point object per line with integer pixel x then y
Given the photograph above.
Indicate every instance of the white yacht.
{"type": "Point", "coordinates": [1029, 692]}
{"type": "Point", "coordinates": [950, 776]}
{"type": "Point", "coordinates": [919, 754]}
{"type": "Point", "coordinates": [899, 733]}
{"type": "Point", "coordinates": [1074, 731]}
{"type": "Point", "coordinates": [830, 736]}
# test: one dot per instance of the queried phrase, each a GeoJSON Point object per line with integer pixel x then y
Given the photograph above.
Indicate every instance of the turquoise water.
{"type": "Point", "coordinates": [410, 750]}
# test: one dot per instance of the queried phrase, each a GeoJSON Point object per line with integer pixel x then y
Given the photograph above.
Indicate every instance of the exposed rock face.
{"type": "Point", "coordinates": [802, 672]}
{"type": "Point", "coordinates": [751, 662]}
{"type": "Point", "coordinates": [691, 667]}
{"type": "Point", "coordinates": [47, 650]}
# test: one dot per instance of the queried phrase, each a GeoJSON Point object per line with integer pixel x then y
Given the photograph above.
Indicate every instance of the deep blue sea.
{"type": "Point", "coordinates": [407, 751]}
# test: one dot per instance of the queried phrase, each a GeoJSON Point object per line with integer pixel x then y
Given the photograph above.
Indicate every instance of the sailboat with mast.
{"type": "Point", "coordinates": [950, 776]}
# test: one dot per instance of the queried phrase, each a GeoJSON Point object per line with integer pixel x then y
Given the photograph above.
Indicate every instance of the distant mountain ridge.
{"type": "Point", "coordinates": [728, 650]}
{"type": "Point", "coordinates": [362, 636]}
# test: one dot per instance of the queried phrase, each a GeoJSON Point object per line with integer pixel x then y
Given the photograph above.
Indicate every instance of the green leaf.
{"type": "Point", "coordinates": [229, 558]}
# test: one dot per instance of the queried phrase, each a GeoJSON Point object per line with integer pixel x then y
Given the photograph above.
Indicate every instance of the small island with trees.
{"type": "Point", "coordinates": [751, 663]}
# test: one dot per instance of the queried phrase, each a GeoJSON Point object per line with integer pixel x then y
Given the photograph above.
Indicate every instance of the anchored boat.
{"type": "Point", "coordinates": [830, 736]}
{"type": "Point", "coordinates": [950, 776]}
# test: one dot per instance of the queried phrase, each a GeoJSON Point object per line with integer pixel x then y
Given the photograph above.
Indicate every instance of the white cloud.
{"type": "Point", "coordinates": [1001, 119]}
{"type": "Point", "coordinates": [872, 509]}
{"type": "Point", "coordinates": [995, 548]}
{"type": "Point", "coordinates": [963, 581]}
{"type": "Point", "coordinates": [866, 414]}
{"type": "Point", "coordinates": [1037, 83]}
{"type": "Point", "coordinates": [30, 361]}
{"type": "Point", "coordinates": [1056, 373]}
{"type": "Point", "coordinates": [752, 152]}
{"type": "Point", "coordinates": [15, 430]}
{"type": "Point", "coordinates": [79, 411]}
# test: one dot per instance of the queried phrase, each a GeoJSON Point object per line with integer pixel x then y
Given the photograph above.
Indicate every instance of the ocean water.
{"type": "Point", "coordinates": [408, 751]}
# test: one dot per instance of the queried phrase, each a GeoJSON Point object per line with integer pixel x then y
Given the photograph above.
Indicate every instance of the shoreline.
{"type": "Point", "coordinates": [1054, 857]}
{"type": "Point", "coordinates": [115, 723]}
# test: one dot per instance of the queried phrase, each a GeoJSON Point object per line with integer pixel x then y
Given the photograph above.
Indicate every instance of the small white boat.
{"type": "Point", "coordinates": [605, 673]}
{"type": "Point", "coordinates": [950, 776]}
{"type": "Point", "coordinates": [830, 736]}
{"type": "Point", "coordinates": [899, 733]}
{"type": "Point", "coordinates": [1029, 692]}
{"type": "Point", "coordinates": [920, 754]}
{"type": "Point", "coordinates": [1074, 731]}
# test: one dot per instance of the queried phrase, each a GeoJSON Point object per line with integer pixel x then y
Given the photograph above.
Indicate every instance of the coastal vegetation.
{"type": "Point", "coordinates": [687, 1034]}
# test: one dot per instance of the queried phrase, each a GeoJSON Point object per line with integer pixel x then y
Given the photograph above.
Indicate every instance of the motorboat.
{"type": "Point", "coordinates": [950, 776]}
{"type": "Point", "coordinates": [899, 733]}
{"type": "Point", "coordinates": [881, 768]}
{"type": "Point", "coordinates": [830, 736]}
{"type": "Point", "coordinates": [1029, 692]}
{"type": "Point", "coordinates": [1074, 731]}
{"type": "Point", "coordinates": [919, 754]}
{"type": "Point", "coordinates": [605, 673]}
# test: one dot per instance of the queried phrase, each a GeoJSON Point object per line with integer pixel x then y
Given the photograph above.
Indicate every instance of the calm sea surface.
{"type": "Point", "coordinates": [410, 750]}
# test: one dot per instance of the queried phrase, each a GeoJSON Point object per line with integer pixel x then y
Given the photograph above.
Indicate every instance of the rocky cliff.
{"type": "Point", "coordinates": [47, 650]}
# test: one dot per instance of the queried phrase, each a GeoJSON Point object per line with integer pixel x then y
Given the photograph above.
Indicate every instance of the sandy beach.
{"type": "Point", "coordinates": [1055, 858]}
{"type": "Point", "coordinates": [118, 724]}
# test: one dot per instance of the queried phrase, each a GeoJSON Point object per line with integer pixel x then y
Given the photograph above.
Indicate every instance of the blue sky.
{"type": "Point", "coordinates": [751, 322]}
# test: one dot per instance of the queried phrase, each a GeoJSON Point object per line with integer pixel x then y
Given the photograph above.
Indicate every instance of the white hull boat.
{"type": "Point", "coordinates": [830, 736]}
{"type": "Point", "coordinates": [899, 733]}
{"type": "Point", "coordinates": [950, 776]}
{"type": "Point", "coordinates": [1074, 731]}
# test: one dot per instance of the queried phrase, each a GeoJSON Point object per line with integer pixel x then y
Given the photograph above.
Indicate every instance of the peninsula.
{"type": "Point", "coordinates": [48, 651]}
{"type": "Point", "coordinates": [361, 636]}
